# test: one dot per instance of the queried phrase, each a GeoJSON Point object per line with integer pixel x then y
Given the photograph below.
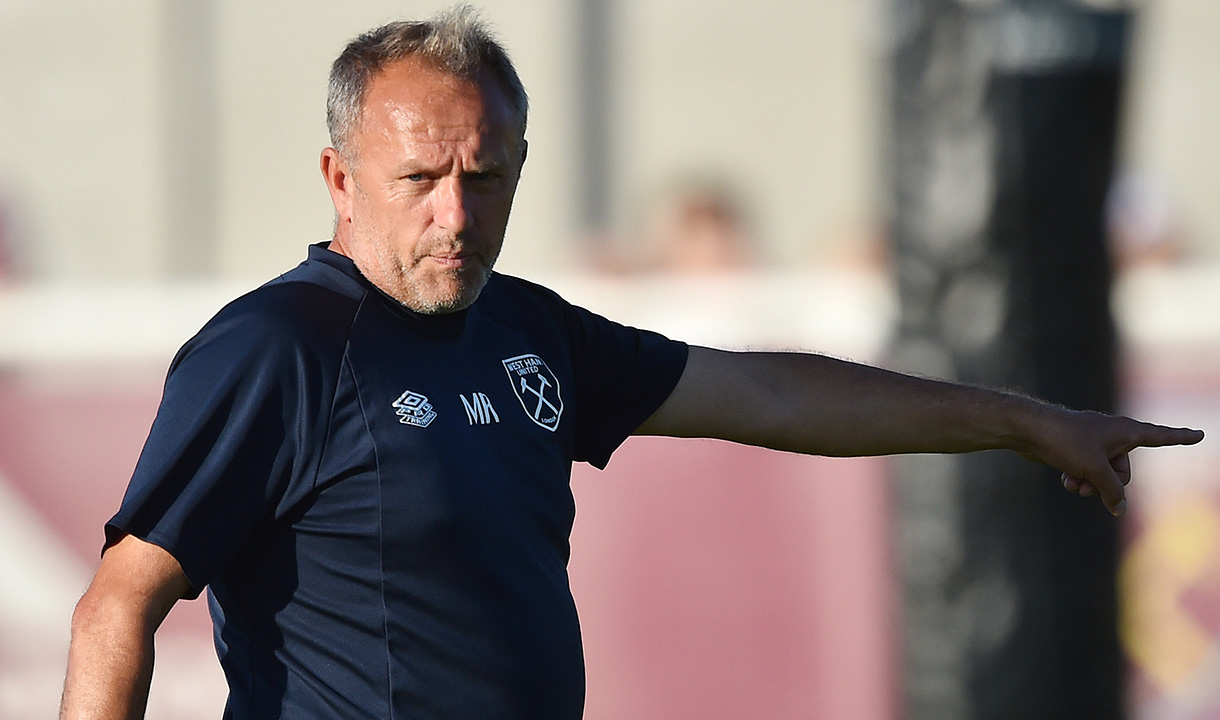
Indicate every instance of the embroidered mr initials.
{"type": "Point", "coordinates": [479, 410]}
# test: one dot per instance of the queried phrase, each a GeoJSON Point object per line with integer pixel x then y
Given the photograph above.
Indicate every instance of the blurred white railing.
{"type": "Point", "coordinates": [847, 312]}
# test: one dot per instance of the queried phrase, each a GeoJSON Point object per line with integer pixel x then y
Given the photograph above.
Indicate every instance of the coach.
{"type": "Point", "coordinates": [366, 460]}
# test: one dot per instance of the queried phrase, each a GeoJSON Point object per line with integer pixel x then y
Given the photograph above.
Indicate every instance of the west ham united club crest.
{"type": "Point", "coordinates": [537, 388]}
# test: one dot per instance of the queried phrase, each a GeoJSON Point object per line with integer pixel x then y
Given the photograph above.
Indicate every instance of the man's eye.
{"type": "Point", "coordinates": [415, 177]}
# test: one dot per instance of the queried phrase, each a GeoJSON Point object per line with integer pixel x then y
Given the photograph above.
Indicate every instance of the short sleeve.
{"type": "Point", "coordinates": [623, 374]}
{"type": "Point", "coordinates": [230, 448]}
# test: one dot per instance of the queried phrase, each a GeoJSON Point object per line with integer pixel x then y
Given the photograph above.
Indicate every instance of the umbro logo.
{"type": "Point", "coordinates": [414, 409]}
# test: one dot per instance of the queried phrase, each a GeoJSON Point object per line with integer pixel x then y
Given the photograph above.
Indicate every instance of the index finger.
{"type": "Point", "coordinates": [1150, 435]}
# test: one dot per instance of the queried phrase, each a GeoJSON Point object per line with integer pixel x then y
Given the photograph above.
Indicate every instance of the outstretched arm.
{"type": "Point", "coordinates": [111, 657]}
{"type": "Point", "coordinates": [818, 405]}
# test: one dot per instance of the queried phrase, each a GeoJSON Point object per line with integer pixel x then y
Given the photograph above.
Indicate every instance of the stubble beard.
{"type": "Point", "coordinates": [432, 291]}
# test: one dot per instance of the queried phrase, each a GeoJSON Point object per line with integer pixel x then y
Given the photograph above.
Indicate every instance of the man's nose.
{"type": "Point", "coordinates": [449, 206]}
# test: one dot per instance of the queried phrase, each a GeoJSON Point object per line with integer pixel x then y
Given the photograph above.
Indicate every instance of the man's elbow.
{"type": "Point", "coordinates": [117, 615]}
{"type": "Point", "coordinates": [107, 617]}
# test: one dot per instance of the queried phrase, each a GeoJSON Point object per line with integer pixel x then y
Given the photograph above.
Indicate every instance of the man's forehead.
{"type": "Point", "coordinates": [413, 90]}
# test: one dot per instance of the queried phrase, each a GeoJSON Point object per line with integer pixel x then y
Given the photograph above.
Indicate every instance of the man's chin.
{"type": "Point", "coordinates": [443, 307]}
{"type": "Point", "coordinates": [440, 301]}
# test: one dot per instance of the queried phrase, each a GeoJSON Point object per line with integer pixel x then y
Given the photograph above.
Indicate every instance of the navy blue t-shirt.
{"type": "Point", "coordinates": [379, 502]}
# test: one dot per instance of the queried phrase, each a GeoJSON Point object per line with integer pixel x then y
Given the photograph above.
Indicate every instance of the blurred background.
{"type": "Point", "coordinates": [1016, 193]}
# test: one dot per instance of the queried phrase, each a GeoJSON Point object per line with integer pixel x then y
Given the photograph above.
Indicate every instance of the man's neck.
{"type": "Point", "coordinates": [338, 244]}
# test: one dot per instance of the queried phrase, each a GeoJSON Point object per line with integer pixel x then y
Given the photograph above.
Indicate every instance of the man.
{"type": "Point", "coordinates": [366, 460]}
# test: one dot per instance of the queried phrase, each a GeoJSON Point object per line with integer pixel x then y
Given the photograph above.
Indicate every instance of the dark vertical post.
{"type": "Point", "coordinates": [189, 135]}
{"type": "Point", "coordinates": [595, 101]}
{"type": "Point", "coordinates": [1005, 118]}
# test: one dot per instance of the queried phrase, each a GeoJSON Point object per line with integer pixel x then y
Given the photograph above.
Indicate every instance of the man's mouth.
{"type": "Point", "coordinates": [454, 260]}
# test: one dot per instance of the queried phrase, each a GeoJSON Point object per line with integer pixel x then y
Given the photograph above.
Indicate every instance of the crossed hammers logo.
{"type": "Point", "coordinates": [543, 384]}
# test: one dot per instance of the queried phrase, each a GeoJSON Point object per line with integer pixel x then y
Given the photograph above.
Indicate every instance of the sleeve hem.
{"type": "Point", "coordinates": [116, 532]}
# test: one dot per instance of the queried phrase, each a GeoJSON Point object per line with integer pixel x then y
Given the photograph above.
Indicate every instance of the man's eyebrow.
{"type": "Point", "coordinates": [492, 165]}
{"type": "Point", "coordinates": [411, 167]}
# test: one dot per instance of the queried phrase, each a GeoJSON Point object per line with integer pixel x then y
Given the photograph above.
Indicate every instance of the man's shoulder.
{"type": "Point", "coordinates": [302, 310]}
{"type": "Point", "coordinates": [293, 305]}
{"type": "Point", "coordinates": [519, 294]}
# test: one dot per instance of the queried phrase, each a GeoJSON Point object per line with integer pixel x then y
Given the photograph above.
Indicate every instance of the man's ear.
{"type": "Point", "coordinates": [339, 182]}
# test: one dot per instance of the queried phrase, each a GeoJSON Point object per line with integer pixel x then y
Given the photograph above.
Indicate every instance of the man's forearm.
{"type": "Point", "coordinates": [110, 663]}
{"type": "Point", "coordinates": [819, 405]}
{"type": "Point", "coordinates": [824, 406]}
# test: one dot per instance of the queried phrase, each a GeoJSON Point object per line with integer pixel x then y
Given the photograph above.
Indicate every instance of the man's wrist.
{"type": "Point", "coordinates": [1025, 421]}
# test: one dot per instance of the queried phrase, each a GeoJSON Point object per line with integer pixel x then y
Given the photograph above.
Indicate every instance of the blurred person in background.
{"type": "Point", "coordinates": [695, 226]}
{"type": "Point", "coordinates": [366, 460]}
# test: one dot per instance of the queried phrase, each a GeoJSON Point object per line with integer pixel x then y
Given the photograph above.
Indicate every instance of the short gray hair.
{"type": "Point", "coordinates": [456, 41]}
